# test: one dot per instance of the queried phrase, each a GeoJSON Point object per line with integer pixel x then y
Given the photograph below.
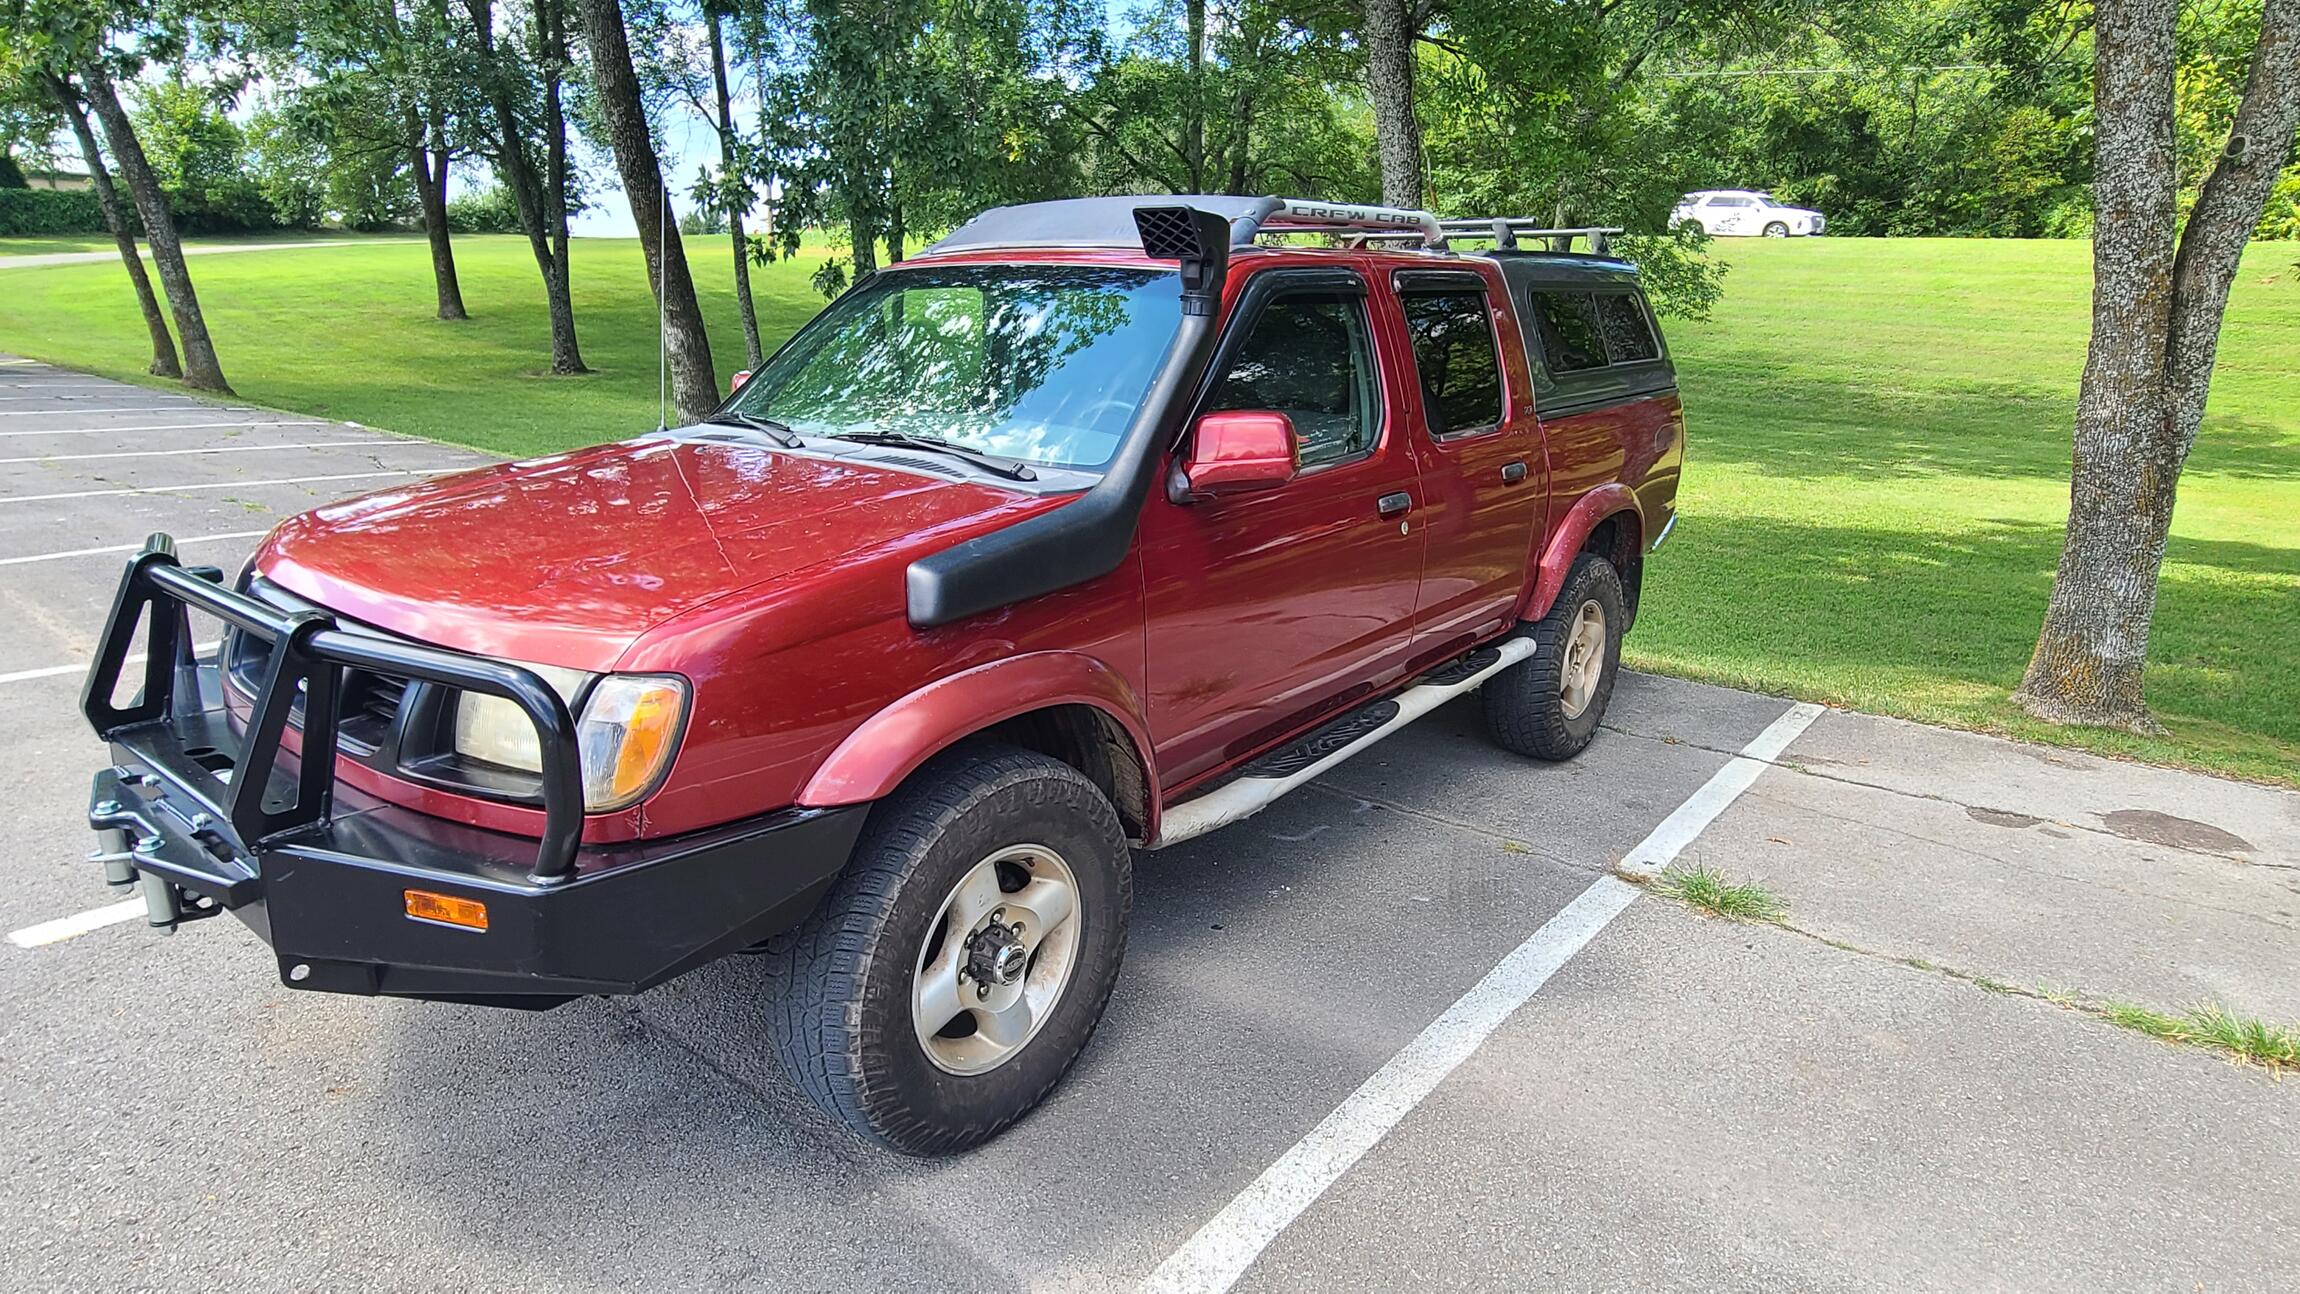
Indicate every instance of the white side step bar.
{"type": "Point", "coordinates": [1248, 796]}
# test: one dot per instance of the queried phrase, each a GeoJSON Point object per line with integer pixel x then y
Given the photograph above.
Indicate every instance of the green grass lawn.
{"type": "Point", "coordinates": [1879, 473]}
{"type": "Point", "coordinates": [44, 244]}
{"type": "Point", "coordinates": [1872, 509]}
{"type": "Point", "coordinates": [349, 333]}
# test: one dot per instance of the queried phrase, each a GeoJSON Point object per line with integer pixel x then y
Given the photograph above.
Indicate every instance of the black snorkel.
{"type": "Point", "coordinates": [1082, 540]}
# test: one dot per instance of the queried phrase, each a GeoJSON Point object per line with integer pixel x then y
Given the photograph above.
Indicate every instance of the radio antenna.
{"type": "Point", "coordinates": [662, 316]}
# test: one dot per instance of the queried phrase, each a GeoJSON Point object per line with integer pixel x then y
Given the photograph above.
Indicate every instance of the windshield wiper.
{"type": "Point", "coordinates": [1006, 467]}
{"type": "Point", "coordinates": [768, 427]}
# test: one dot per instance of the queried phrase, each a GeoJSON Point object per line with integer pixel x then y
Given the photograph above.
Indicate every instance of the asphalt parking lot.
{"type": "Point", "coordinates": [1679, 1101]}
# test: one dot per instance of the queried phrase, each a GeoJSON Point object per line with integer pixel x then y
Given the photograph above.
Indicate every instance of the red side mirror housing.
{"type": "Point", "coordinates": [1237, 451]}
{"type": "Point", "coordinates": [740, 378]}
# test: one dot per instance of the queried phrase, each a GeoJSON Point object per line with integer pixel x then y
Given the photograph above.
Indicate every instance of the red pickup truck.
{"type": "Point", "coordinates": [1101, 524]}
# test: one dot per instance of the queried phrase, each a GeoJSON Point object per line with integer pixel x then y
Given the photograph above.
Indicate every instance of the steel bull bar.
{"type": "Point", "coordinates": [203, 813]}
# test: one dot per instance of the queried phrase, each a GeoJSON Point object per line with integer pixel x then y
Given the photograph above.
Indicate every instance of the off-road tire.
{"type": "Point", "coordinates": [1523, 707]}
{"type": "Point", "coordinates": [1775, 229]}
{"type": "Point", "coordinates": [841, 1019]}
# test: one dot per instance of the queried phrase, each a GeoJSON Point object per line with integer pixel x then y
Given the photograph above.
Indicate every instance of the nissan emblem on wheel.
{"type": "Point", "coordinates": [1097, 526]}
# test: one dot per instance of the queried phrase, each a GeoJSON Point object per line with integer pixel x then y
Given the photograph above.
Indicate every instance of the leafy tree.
{"type": "Point", "coordinates": [694, 381]}
{"type": "Point", "coordinates": [383, 98]}
{"type": "Point", "coordinates": [690, 62]}
{"type": "Point", "coordinates": [486, 210]}
{"type": "Point", "coordinates": [525, 85]}
{"type": "Point", "coordinates": [903, 115]}
{"type": "Point", "coordinates": [77, 38]}
{"type": "Point", "coordinates": [117, 219]}
{"type": "Point", "coordinates": [2160, 286]}
{"type": "Point", "coordinates": [198, 155]}
{"type": "Point", "coordinates": [1271, 104]}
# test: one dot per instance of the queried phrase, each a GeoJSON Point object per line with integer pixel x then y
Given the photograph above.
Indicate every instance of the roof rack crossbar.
{"type": "Point", "coordinates": [1504, 231]}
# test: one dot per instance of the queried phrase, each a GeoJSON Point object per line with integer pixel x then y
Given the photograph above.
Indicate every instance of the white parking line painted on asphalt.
{"type": "Point", "coordinates": [79, 923]}
{"type": "Point", "coordinates": [1694, 816]}
{"type": "Point", "coordinates": [81, 667]}
{"type": "Point", "coordinates": [1212, 1260]}
{"type": "Point", "coordinates": [215, 449]}
{"type": "Point", "coordinates": [163, 426]}
{"type": "Point", "coordinates": [165, 408]}
{"type": "Point", "coordinates": [226, 485]}
{"type": "Point", "coordinates": [124, 548]}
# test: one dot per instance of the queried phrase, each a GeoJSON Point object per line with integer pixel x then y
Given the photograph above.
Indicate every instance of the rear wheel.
{"type": "Point", "coordinates": [1549, 705]}
{"type": "Point", "coordinates": [953, 975]}
{"type": "Point", "coordinates": [1776, 229]}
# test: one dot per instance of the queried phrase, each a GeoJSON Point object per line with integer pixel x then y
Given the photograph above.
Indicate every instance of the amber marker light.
{"type": "Point", "coordinates": [447, 910]}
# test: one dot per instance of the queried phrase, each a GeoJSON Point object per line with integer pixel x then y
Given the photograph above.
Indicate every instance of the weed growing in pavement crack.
{"type": "Point", "coordinates": [2214, 1027]}
{"type": "Point", "coordinates": [1706, 890]}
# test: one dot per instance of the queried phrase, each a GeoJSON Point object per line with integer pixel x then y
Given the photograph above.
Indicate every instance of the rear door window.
{"type": "Point", "coordinates": [1572, 337]}
{"type": "Point", "coordinates": [1310, 358]}
{"type": "Point", "coordinates": [1628, 336]}
{"type": "Point", "coordinates": [1460, 367]}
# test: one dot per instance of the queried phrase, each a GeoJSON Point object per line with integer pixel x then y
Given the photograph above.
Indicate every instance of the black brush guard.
{"type": "Point", "coordinates": [204, 815]}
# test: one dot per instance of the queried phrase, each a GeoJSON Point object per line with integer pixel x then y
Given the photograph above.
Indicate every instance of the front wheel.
{"type": "Point", "coordinates": [953, 975]}
{"type": "Point", "coordinates": [1776, 230]}
{"type": "Point", "coordinates": [1549, 705]}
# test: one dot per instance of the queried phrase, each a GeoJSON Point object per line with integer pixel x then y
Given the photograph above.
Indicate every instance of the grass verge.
{"type": "Point", "coordinates": [1871, 510]}
{"type": "Point", "coordinates": [1708, 891]}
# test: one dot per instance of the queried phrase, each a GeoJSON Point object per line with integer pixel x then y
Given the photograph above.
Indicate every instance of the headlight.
{"type": "Point", "coordinates": [625, 732]}
{"type": "Point", "coordinates": [629, 729]}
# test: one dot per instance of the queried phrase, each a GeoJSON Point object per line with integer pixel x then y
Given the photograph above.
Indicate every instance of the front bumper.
{"type": "Point", "coordinates": [203, 817]}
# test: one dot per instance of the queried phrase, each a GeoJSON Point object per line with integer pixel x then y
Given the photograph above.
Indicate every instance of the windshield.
{"type": "Point", "coordinates": [1038, 363]}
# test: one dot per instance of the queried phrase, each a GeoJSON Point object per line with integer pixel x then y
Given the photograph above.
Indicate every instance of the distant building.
{"type": "Point", "coordinates": [64, 181]}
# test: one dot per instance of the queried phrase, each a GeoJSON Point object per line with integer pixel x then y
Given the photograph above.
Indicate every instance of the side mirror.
{"type": "Point", "coordinates": [741, 377]}
{"type": "Point", "coordinates": [1237, 451]}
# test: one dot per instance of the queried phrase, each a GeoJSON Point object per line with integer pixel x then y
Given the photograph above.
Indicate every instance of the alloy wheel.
{"type": "Point", "coordinates": [1584, 659]}
{"type": "Point", "coordinates": [996, 959]}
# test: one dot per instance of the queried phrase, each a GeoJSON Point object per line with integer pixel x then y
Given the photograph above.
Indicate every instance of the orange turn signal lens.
{"type": "Point", "coordinates": [423, 905]}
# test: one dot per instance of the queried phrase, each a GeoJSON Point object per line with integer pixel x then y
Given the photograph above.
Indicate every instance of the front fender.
{"type": "Point", "coordinates": [890, 745]}
{"type": "Point", "coordinates": [1564, 542]}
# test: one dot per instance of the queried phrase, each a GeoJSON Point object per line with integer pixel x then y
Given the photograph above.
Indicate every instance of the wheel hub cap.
{"type": "Point", "coordinates": [995, 955]}
{"type": "Point", "coordinates": [995, 961]}
{"type": "Point", "coordinates": [1584, 665]}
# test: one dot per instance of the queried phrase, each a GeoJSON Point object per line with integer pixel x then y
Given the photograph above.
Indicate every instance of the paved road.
{"type": "Point", "coordinates": [8, 262]}
{"type": "Point", "coordinates": [1684, 1103]}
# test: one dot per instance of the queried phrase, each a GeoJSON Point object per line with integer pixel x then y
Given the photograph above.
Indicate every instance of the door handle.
{"type": "Point", "coordinates": [1513, 471]}
{"type": "Point", "coordinates": [1390, 505]}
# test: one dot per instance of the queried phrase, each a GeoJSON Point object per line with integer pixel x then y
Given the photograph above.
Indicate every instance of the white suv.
{"type": "Point", "coordinates": [1745, 212]}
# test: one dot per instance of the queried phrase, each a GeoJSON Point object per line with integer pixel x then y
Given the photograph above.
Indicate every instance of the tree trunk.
{"type": "Point", "coordinates": [729, 158]}
{"type": "Point", "coordinates": [694, 383]}
{"type": "Point", "coordinates": [896, 235]}
{"type": "Point", "coordinates": [2090, 655]}
{"type": "Point", "coordinates": [429, 162]}
{"type": "Point", "coordinates": [116, 220]}
{"type": "Point", "coordinates": [527, 191]}
{"type": "Point", "coordinates": [2156, 325]}
{"type": "Point", "coordinates": [862, 239]}
{"type": "Point", "coordinates": [2228, 208]}
{"type": "Point", "coordinates": [1194, 108]}
{"type": "Point", "coordinates": [551, 39]}
{"type": "Point", "coordinates": [201, 371]}
{"type": "Point", "coordinates": [1389, 39]}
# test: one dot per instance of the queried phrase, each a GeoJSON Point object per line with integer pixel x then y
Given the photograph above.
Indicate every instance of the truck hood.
{"type": "Point", "coordinates": [565, 560]}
